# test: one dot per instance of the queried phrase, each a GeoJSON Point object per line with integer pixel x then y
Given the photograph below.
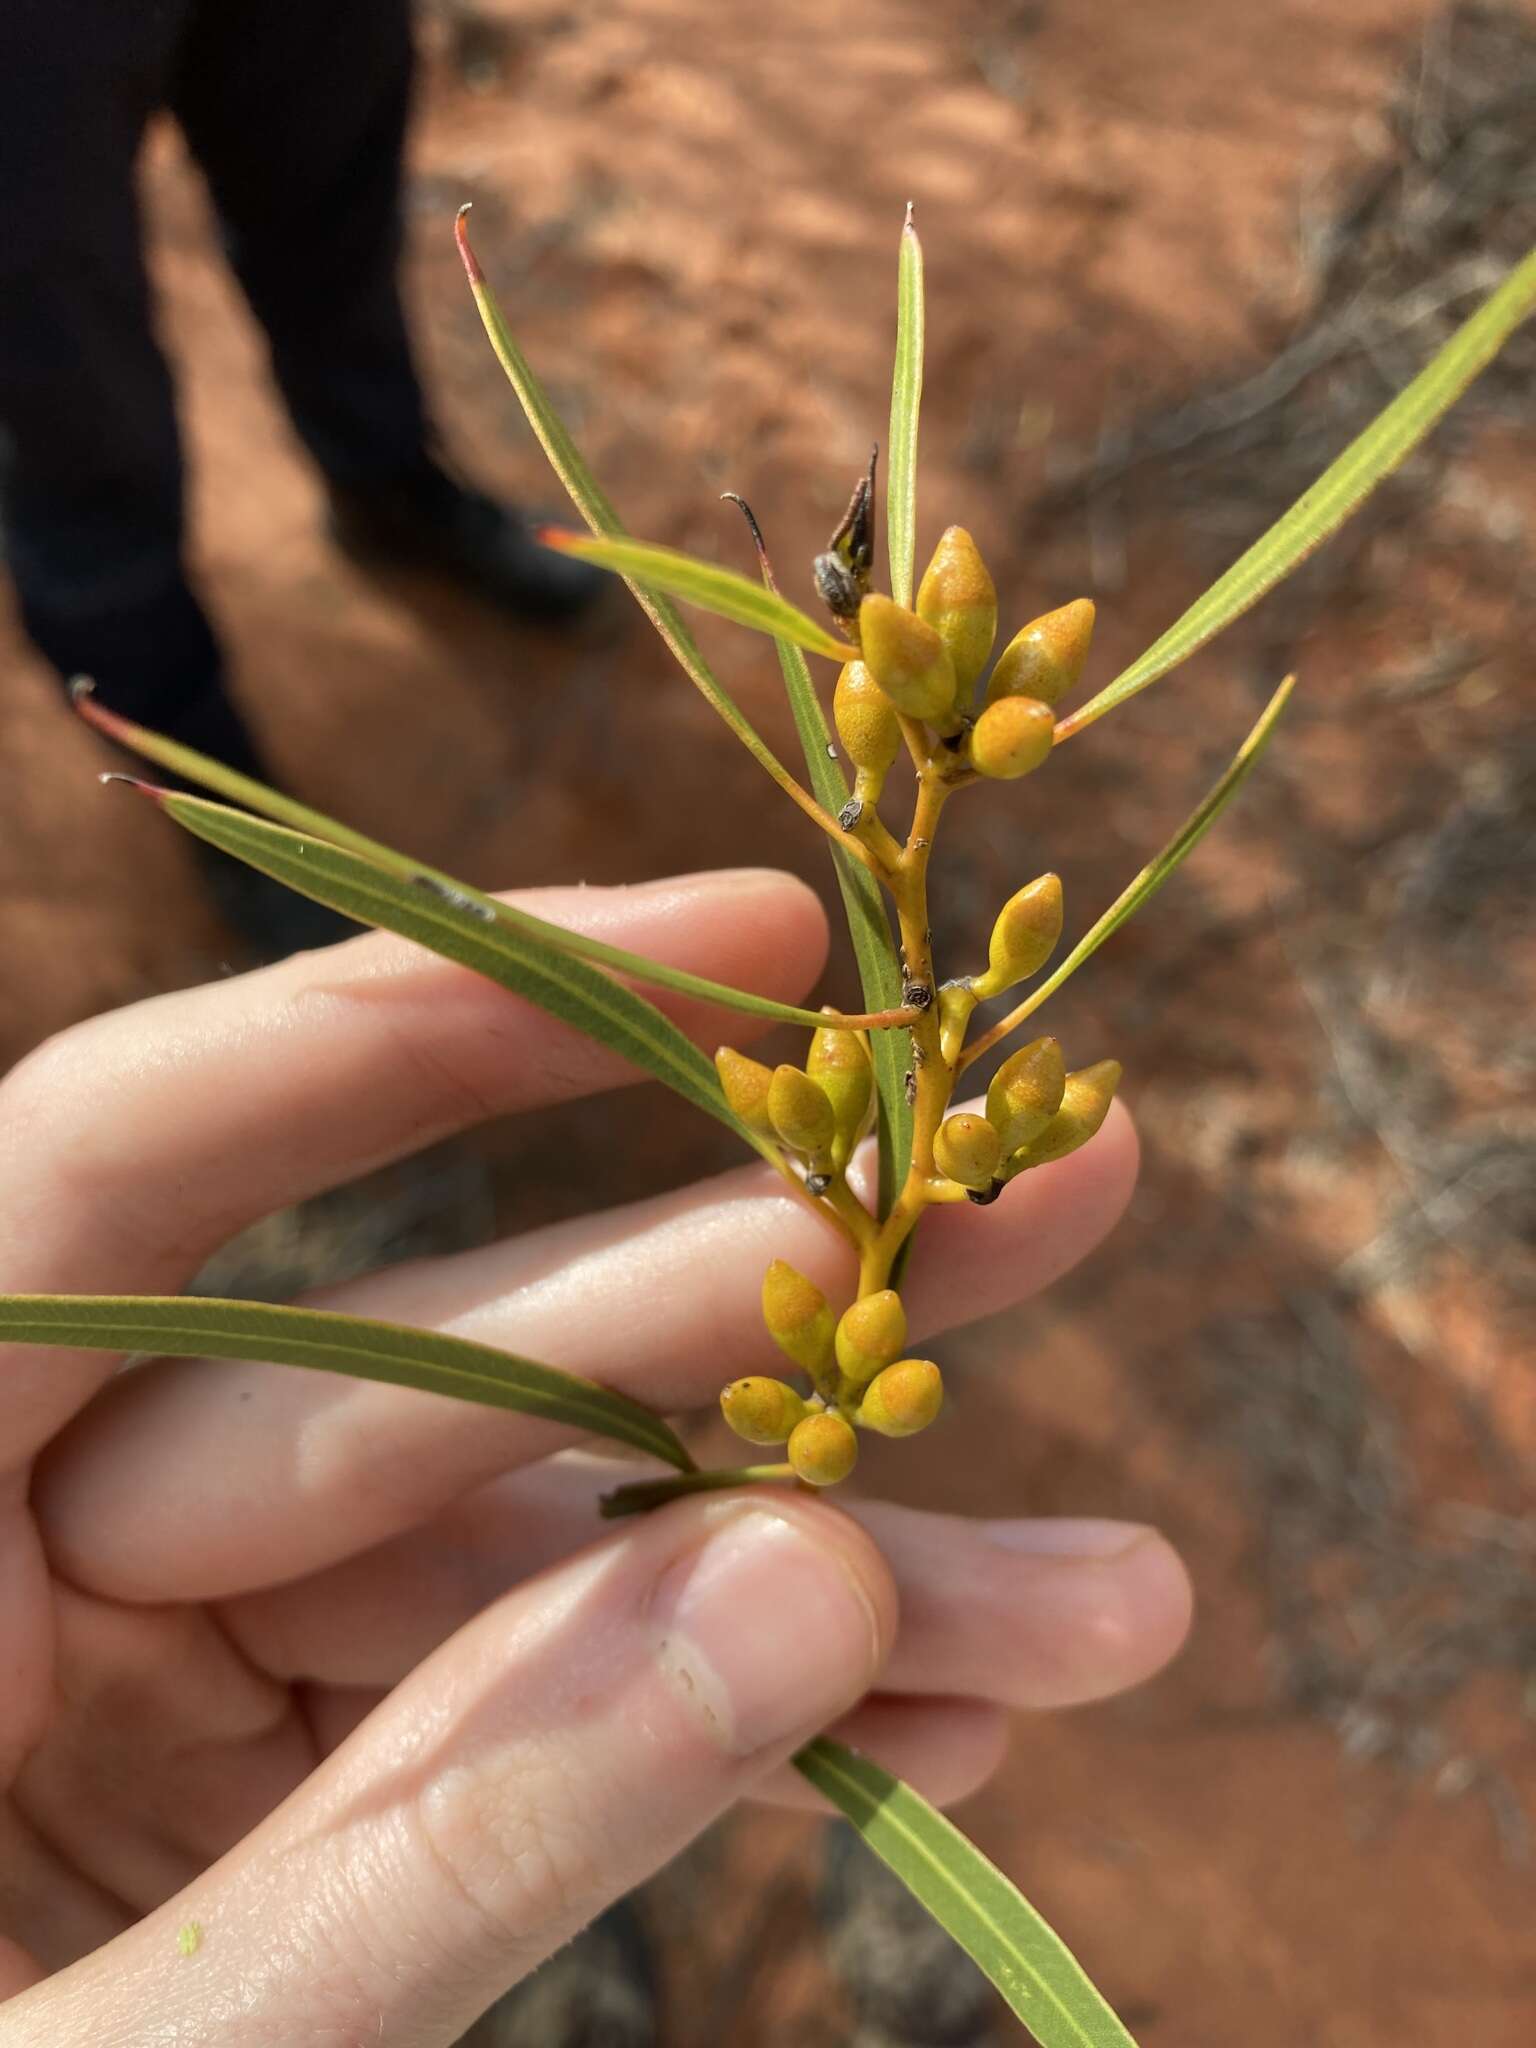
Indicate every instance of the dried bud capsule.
{"type": "Point", "coordinates": [903, 1399]}
{"type": "Point", "coordinates": [968, 1149]}
{"type": "Point", "coordinates": [1084, 1106]}
{"type": "Point", "coordinates": [907, 658]}
{"type": "Point", "coordinates": [838, 1062]}
{"type": "Point", "coordinates": [745, 1085]}
{"type": "Point", "coordinates": [1012, 737]}
{"type": "Point", "coordinates": [1024, 937]}
{"type": "Point", "coordinates": [959, 600]}
{"type": "Point", "coordinates": [802, 1116]}
{"type": "Point", "coordinates": [799, 1317]}
{"type": "Point", "coordinates": [865, 719]}
{"type": "Point", "coordinates": [823, 1449]}
{"type": "Point", "coordinates": [870, 1334]}
{"type": "Point", "coordinates": [762, 1410]}
{"type": "Point", "coordinates": [1045, 658]}
{"type": "Point", "coordinates": [1027, 1090]}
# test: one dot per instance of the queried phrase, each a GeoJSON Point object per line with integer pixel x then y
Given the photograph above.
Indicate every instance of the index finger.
{"type": "Point", "coordinates": [133, 1146]}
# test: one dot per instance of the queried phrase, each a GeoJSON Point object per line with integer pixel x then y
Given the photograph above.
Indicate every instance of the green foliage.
{"type": "Point", "coordinates": [970, 1898]}
{"type": "Point", "coordinates": [178, 1326]}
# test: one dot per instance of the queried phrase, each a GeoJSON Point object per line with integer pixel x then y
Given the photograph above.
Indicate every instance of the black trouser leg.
{"type": "Point", "coordinates": [90, 460]}
{"type": "Point", "coordinates": [296, 110]}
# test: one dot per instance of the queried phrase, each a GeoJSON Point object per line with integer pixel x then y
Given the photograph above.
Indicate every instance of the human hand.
{"type": "Point", "coordinates": [350, 1677]}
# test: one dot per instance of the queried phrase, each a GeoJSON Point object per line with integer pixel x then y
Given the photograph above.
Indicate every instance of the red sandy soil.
{"type": "Point", "coordinates": [691, 214]}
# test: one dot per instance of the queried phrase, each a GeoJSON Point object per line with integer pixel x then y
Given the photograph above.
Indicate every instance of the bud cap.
{"type": "Point", "coordinates": [764, 1411]}
{"type": "Point", "coordinates": [1026, 1092]}
{"type": "Point", "coordinates": [907, 658]}
{"type": "Point", "coordinates": [1012, 737]}
{"type": "Point", "coordinates": [802, 1115]}
{"type": "Point", "coordinates": [799, 1317]}
{"type": "Point", "coordinates": [1045, 658]}
{"type": "Point", "coordinates": [1024, 937]}
{"type": "Point", "coordinates": [745, 1083]}
{"type": "Point", "coordinates": [959, 600]}
{"type": "Point", "coordinates": [865, 719]}
{"type": "Point", "coordinates": [968, 1149]}
{"type": "Point", "coordinates": [904, 1398]}
{"type": "Point", "coordinates": [823, 1449]}
{"type": "Point", "coordinates": [1085, 1104]}
{"type": "Point", "coordinates": [870, 1334]}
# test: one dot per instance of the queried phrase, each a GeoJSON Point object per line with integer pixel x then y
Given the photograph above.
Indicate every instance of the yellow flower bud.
{"type": "Point", "coordinates": [1024, 937]}
{"type": "Point", "coordinates": [799, 1317]}
{"type": "Point", "coordinates": [1027, 1090]}
{"type": "Point", "coordinates": [865, 719]}
{"type": "Point", "coordinates": [959, 600]}
{"type": "Point", "coordinates": [764, 1411]}
{"type": "Point", "coordinates": [838, 1062]}
{"type": "Point", "coordinates": [1085, 1104]}
{"type": "Point", "coordinates": [967, 1149]}
{"type": "Point", "coordinates": [907, 658]}
{"type": "Point", "coordinates": [1045, 658]}
{"type": "Point", "coordinates": [870, 1334]}
{"type": "Point", "coordinates": [802, 1116]}
{"type": "Point", "coordinates": [823, 1449]}
{"type": "Point", "coordinates": [903, 1399]}
{"type": "Point", "coordinates": [745, 1084]}
{"type": "Point", "coordinates": [1012, 737]}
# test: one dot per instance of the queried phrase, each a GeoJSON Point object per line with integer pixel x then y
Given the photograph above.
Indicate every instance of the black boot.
{"type": "Point", "coordinates": [430, 520]}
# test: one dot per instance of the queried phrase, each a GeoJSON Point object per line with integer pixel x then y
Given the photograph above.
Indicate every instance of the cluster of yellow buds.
{"type": "Point", "coordinates": [818, 1112]}
{"type": "Point", "coordinates": [925, 664]}
{"type": "Point", "coordinates": [858, 1378]}
{"type": "Point", "coordinates": [1036, 1112]}
{"type": "Point", "coordinates": [916, 679]}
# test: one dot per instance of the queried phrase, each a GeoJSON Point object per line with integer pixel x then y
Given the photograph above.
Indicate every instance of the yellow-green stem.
{"type": "Point", "coordinates": [933, 1077]}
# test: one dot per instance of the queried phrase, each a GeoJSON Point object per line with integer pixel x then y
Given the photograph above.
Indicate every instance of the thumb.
{"type": "Point", "coordinates": [546, 1759]}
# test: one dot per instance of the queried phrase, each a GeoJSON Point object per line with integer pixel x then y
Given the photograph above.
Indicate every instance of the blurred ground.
{"type": "Point", "coordinates": [1173, 263]}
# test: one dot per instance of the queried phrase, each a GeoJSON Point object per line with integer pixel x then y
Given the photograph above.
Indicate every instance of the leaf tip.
{"type": "Point", "coordinates": [467, 255]}
{"type": "Point", "coordinates": [152, 790]}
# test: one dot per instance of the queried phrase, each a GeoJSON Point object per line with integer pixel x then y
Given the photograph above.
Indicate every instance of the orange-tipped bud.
{"type": "Point", "coordinates": [764, 1411]}
{"type": "Point", "coordinates": [823, 1449]}
{"type": "Point", "coordinates": [838, 1062]}
{"type": "Point", "coordinates": [959, 600]}
{"type": "Point", "coordinates": [870, 1334]}
{"type": "Point", "coordinates": [799, 1318]}
{"type": "Point", "coordinates": [1045, 658]}
{"type": "Point", "coordinates": [865, 719]}
{"type": "Point", "coordinates": [968, 1149]}
{"type": "Point", "coordinates": [903, 1399]}
{"type": "Point", "coordinates": [1024, 937]}
{"type": "Point", "coordinates": [745, 1084]}
{"type": "Point", "coordinates": [907, 658]}
{"type": "Point", "coordinates": [1027, 1090]}
{"type": "Point", "coordinates": [1012, 737]}
{"type": "Point", "coordinates": [802, 1116]}
{"type": "Point", "coordinates": [1084, 1106]}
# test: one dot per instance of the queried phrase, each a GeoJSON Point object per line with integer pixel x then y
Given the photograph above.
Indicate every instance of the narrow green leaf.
{"type": "Point", "coordinates": [869, 927]}
{"type": "Point", "coordinates": [1322, 509]}
{"type": "Point", "coordinates": [269, 803]}
{"type": "Point", "coordinates": [906, 400]}
{"type": "Point", "coordinates": [190, 1326]}
{"type": "Point", "coordinates": [970, 1898]}
{"type": "Point", "coordinates": [566, 987]}
{"type": "Point", "coordinates": [1153, 875]}
{"type": "Point", "coordinates": [590, 501]}
{"type": "Point", "coordinates": [706, 584]}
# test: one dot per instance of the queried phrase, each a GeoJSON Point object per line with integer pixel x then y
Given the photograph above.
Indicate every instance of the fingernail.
{"type": "Point", "coordinates": [765, 1631]}
{"type": "Point", "coordinates": [1084, 1541]}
